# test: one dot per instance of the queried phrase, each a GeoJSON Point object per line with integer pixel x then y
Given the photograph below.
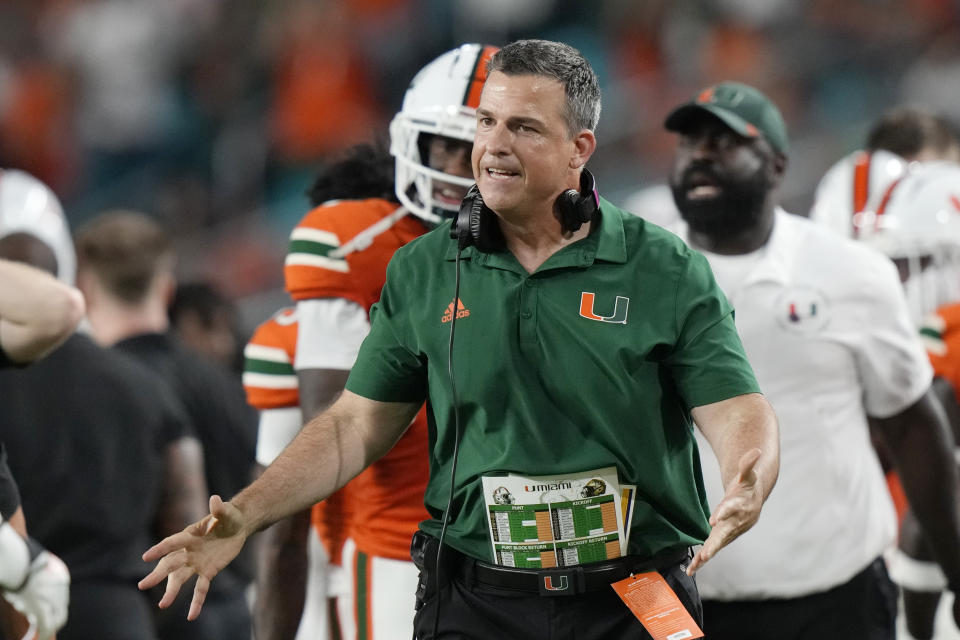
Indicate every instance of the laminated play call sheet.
{"type": "Point", "coordinates": [557, 521]}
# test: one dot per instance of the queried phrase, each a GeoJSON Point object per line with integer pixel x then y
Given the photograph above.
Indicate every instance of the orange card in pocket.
{"type": "Point", "coordinates": [657, 607]}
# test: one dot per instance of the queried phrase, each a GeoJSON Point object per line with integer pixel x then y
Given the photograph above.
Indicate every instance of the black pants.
{"type": "Point", "coordinates": [107, 611]}
{"type": "Point", "coordinates": [864, 608]}
{"type": "Point", "coordinates": [469, 609]}
{"type": "Point", "coordinates": [225, 615]}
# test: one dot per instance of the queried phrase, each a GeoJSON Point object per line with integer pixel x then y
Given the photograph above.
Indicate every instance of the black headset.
{"type": "Point", "coordinates": [476, 225]}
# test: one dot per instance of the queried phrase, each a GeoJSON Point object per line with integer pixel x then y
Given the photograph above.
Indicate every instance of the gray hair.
{"type": "Point", "coordinates": [563, 63]}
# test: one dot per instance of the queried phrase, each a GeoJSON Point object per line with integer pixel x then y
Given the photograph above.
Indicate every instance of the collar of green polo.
{"type": "Point", "coordinates": [605, 242]}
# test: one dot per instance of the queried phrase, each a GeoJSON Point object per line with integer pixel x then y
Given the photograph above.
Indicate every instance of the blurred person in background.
{"type": "Point", "coordinates": [126, 270]}
{"type": "Point", "coordinates": [920, 231]}
{"type": "Point", "coordinates": [827, 329]}
{"type": "Point", "coordinates": [335, 271]}
{"type": "Point", "coordinates": [205, 320]}
{"type": "Point", "coordinates": [301, 579]}
{"type": "Point", "coordinates": [857, 189]}
{"type": "Point", "coordinates": [854, 194]}
{"type": "Point", "coordinates": [37, 313]}
{"type": "Point", "coordinates": [915, 134]}
{"type": "Point", "coordinates": [123, 58]}
{"type": "Point", "coordinates": [289, 604]}
{"type": "Point", "coordinates": [102, 456]}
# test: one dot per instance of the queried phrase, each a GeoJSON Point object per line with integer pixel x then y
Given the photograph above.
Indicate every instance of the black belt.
{"type": "Point", "coordinates": [560, 581]}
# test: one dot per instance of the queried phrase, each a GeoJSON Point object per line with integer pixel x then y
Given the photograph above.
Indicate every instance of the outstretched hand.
{"type": "Point", "coordinates": [203, 548]}
{"type": "Point", "coordinates": [736, 513]}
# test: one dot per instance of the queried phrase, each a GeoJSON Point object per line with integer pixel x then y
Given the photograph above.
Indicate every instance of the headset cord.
{"type": "Point", "coordinates": [456, 440]}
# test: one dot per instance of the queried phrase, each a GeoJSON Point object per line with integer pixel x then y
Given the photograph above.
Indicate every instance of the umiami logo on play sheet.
{"type": "Point", "coordinates": [462, 311]}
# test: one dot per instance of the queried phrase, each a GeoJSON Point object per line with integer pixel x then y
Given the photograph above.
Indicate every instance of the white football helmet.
{"type": "Point", "coordinates": [920, 230]}
{"type": "Point", "coordinates": [442, 100]}
{"type": "Point", "coordinates": [29, 206]}
{"type": "Point", "coordinates": [854, 189]}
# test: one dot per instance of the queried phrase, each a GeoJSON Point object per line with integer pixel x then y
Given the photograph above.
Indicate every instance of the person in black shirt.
{"type": "Point", "coordinates": [103, 460]}
{"type": "Point", "coordinates": [125, 268]}
{"type": "Point", "coordinates": [37, 313]}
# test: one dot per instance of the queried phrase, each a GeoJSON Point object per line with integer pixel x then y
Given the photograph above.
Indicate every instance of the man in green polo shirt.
{"type": "Point", "coordinates": [584, 340]}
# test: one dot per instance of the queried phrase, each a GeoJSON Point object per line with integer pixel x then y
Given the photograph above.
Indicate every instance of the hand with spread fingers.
{"type": "Point", "coordinates": [736, 513]}
{"type": "Point", "coordinates": [203, 548]}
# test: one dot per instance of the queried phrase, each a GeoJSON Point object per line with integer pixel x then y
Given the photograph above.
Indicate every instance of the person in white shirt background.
{"type": "Point", "coordinates": [826, 327]}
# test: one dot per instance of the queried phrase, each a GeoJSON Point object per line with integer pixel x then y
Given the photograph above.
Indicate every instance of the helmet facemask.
{"type": "Point", "coordinates": [441, 101]}
{"type": "Point", "coordinates": [920, 232]}
{"type": "Point", "coordinates": [416, 180]}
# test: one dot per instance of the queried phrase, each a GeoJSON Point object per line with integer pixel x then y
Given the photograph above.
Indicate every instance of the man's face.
{"type": "Point", "coordinates": [523, 152]}
{"type": "Point", "coordinates": [720, 179]}
{"type": "Point", "coordinates": [452, 156]}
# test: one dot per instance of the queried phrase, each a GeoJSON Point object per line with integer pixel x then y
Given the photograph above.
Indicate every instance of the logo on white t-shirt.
{"type": "Point", "coordinates": [802, 309]}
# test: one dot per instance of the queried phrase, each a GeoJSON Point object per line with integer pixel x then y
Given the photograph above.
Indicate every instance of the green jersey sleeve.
{"type": "Point", "coordinates": [708, 362]}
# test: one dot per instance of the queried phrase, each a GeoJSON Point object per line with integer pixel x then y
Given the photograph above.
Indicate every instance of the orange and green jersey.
{"type": "Point", "coordinates": [270, 383]}
{"type": "Point", "coordinates": [940, 333]}
{"type": "Point", "coordinates": [341, 250]}
{"type": "Point", "coordinates": [268, 375]}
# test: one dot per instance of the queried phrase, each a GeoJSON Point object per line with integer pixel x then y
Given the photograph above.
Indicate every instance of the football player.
{"type": "Point", "coordinates": [335, 270]}
{"type": "Point", "coordinates": [271, 386]}
{"type": "Point", "coordinates": [920, 231]}
{"type": "Point", "coordinates": [859, 186]}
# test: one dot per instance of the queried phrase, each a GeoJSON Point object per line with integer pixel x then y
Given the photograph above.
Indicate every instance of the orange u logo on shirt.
{"type": "Point", "coordinates": [619, 310]}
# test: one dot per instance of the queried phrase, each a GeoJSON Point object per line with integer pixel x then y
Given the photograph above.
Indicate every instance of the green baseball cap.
{"type": "Point", "coordinates": [740, 107]}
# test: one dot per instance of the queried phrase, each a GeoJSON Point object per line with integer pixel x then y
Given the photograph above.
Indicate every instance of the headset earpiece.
{"type": "Point", "coordinates": [461, 229]}
{"type": "Point", "coordinates": [576, 207]}
{"type": "Point", "coordinates": [475, 224]}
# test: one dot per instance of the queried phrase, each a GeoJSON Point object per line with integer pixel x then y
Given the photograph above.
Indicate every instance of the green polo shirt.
{"type": "Point", "coordinates": [594, 360]}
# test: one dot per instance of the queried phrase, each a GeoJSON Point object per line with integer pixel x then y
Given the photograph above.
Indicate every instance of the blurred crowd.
{"type": "Point", "coordinates": [212, 115]}
{"type": "Point", "coordinates": [214, 120]}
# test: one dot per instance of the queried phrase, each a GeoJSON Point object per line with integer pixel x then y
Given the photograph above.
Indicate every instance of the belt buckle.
{"type": "Point", "coordinates": [558, 583]}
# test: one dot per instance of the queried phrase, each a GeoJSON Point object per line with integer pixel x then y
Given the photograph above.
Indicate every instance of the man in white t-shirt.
{"type": "Point", "coordinates": [826, 327]}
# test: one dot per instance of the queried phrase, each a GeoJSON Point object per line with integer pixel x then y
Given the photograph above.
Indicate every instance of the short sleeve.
{"type": "Point", "coordinates": [387, 368]}
{"type": "Point", "coordinates": [330, 335]}
{"type": "Point", "coordinates": [9, 495]}
{"type": "Point", "coordinates": [889, 354]}
{"type": "Point", "coordinates": [277, 429]}
{"type": "Point", "coordinates": [173, 419]}
{"type": "Point", "coordinates": [708, 362]}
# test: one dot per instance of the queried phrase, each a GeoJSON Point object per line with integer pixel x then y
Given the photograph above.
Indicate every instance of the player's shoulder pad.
{"type": "Point", "coordinates": [327, 242]}
{"type": "Point", "coordinates": [269, 378]}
